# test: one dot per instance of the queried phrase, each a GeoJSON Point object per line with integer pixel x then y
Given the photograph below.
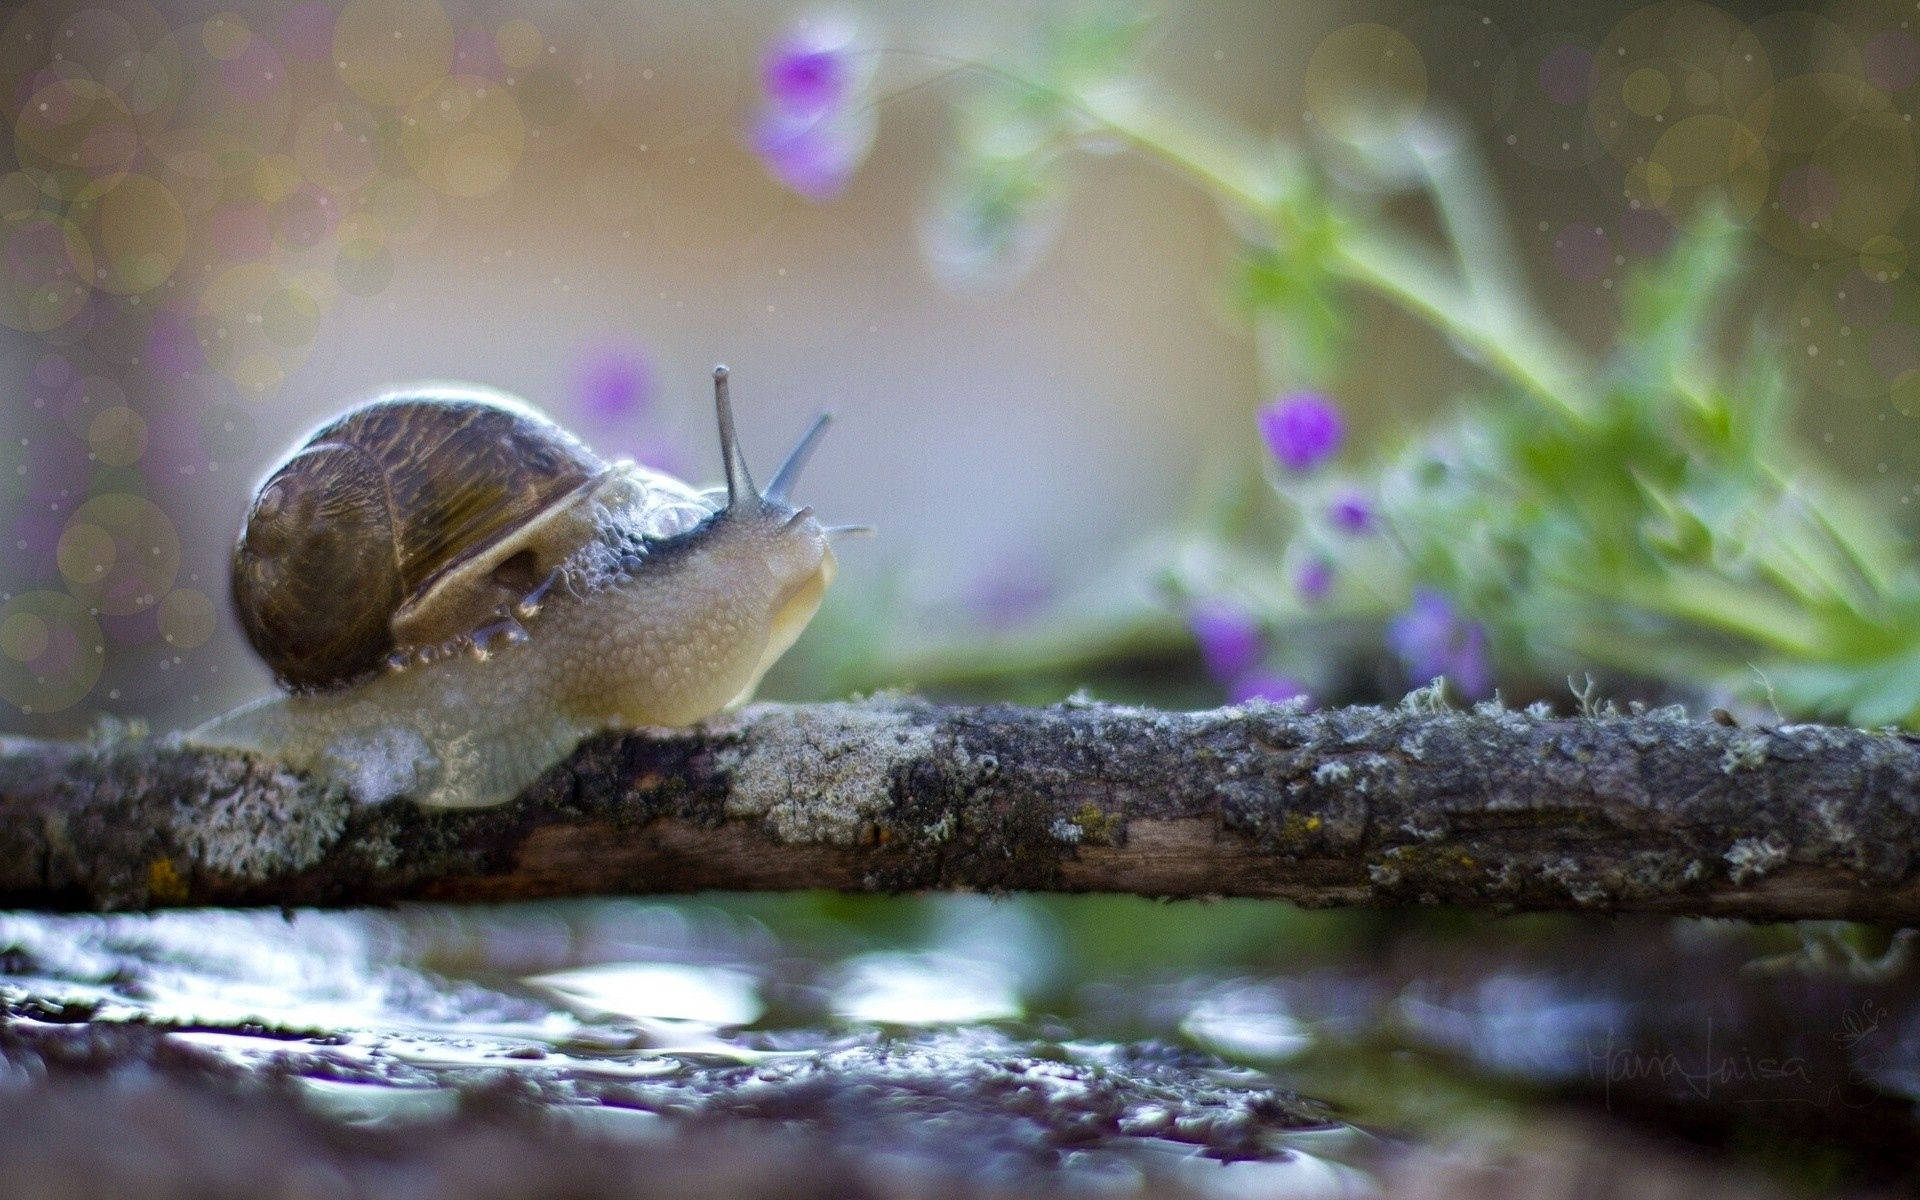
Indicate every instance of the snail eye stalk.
{"type": "Point", "coordinates": [741, 494]}
{"type": "Point", "coordinates": [789, 471]}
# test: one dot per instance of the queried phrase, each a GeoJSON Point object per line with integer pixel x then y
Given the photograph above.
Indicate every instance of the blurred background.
{"type": "Point", "coordinates": [224, 223]}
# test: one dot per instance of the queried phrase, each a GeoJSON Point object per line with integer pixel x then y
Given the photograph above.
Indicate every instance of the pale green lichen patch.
{"type": "Point", "coordinates": [1750, 858]}
{"type": "Point", "coordinates": [264, 825]}
{"type": "Point", "coordinates": [1745, 751]}
{"type": "Point", "coordinates": [1329, 773]}
{"type": "Point", "coordinates": [819, 774]}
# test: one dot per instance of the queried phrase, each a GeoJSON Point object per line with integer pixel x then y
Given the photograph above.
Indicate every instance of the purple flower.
{"type": "Point", "coordinates": [1264, 685]}
{"type": "Point", "coordinates": [1314, 580]}
{"type": "Point", "coordinates": [1230, 639]}
{"type": "Point", "coordinates": [1302, 430]}
{"type": "Point", "coordinates": [811, 133]}
{"type": "Point", "coordinates": [809, 72]}
{"type": "Point", "coordinates": [614, 385]}
{"type": "Point", "coordinates": [1433, 640]}
{"type": "Point", "coordinates": [814, 156]}
{"type": "Point", "coordinates": [1351, 513]}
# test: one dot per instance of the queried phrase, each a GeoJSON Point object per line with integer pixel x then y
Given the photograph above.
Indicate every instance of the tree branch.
{"type": "Point", "coordinates": [1491, 809]}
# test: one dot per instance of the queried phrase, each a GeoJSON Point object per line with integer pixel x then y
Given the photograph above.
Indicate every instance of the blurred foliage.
{"type": "Point", "coordinates": [1648, 516]}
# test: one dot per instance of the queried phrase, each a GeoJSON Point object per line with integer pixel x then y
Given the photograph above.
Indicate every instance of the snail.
{"type": "Point", "coordinates": [452, 591]}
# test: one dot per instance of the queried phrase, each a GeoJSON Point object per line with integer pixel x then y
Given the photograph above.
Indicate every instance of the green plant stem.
{"type": "Point", "coordinates": [1529, 353]}
{"type": "Point", "coordinates": [1474, 218]}
{"type": "Point", "coordinates": [1711, 602]}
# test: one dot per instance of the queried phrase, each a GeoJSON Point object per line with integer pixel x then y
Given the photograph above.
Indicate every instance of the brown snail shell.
{"type": "Point", "coordinates": [405, 527]}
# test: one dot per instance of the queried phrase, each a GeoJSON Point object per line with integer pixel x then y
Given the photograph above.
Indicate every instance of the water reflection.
{"type": "Point", "coordinates": [1247, 1021]}
{"type": "Point", "coordinates": [1529, 1025]}
{"type": "Point", "coordinates": [714, 996]}
{"type": "Point", "coordinates": [1299, 1176]}
{"type": "Point", "coordinates": [906, 1026]}
{"type": "Point", "coordinates": [926, 988]}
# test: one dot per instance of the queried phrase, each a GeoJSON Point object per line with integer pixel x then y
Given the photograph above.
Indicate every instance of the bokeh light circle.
{"type": "Point", "coordinates": [138, 233]}
{"type": "Point", "coordinates": [22, 193]}
{"type": "Point", "coordinates": [46, 271]}
{"type": "Point", "coordinates": [1892, 60]}
{"type": "Point", "coordinates": [1904, 393]}
{"type": "Point", "coordinates": [335, 145]}
{"type": "Point", "coordinates": [1883, 259]}
{"type": "Point", "coordinates": [1871, 159]}
{"type": "Point", "coordinates": [1548, 124]}
{"type": "Point", "coordinates": [226, 35]}
{"type": "Point", "coordinates": [78, 129]}
{"type": "Point", "coordinates": [132, 49]}
{"type": "Point", "coordinates": [1648, 185]}
{"type": "Point", "coordinates": [1679, 63]}
{"type": "Point", "coordinates": [549, 52]}
{"type": "Point", "coordinates": [306, 217]}
{"type": "Point", "coordinates": [518, 43]}
{"type": "Point", "coordinates": [1845, 167]}
{"type": "Point", "coordinates": [363, 265]}
{"type": "Point", "coordinates": [405, 208]}
{"type": "Point", "coordinates": [85, 398]}
{"type": "Point", "coordinates": [389, 52]}
{"type": "Point", "coordinates": [189, 162]}
{"type": "Point", "coordinates": [118, 436]}
{"type": "Point", "coordinates": [465, 137]}
{"type": "Point", "coordinates": [103, 44]}
{"type": "Point", "coordinates": [1708, 151]}
{"type": "Point", "coordinates": [275, 177]}
{"type": "Point", "coordinates": [1646, 92]}
{"type": "Point", "coordinates": [234, 111]}
{"type": "Point", "coordinates": [187, 618]}
{"type": "Point", "coordinates": [85, 554]}
{"type": "Point", "coordinates": [51, 651]}
{"type": "Point", "coordinates": [119, 554]}
{"type": "Point", "coordinates": [1365, 82]}
{"type": "Point", "coordinates": [1798, 41]}
{"type": "Point", "coordinates": [256, 323]}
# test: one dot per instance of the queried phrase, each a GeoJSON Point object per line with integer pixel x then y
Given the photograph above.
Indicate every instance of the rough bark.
{"type": "Point", "coordinates": [1648, 811]}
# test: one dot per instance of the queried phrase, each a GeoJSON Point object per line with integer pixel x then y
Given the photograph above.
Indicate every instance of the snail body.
{"type": "Point", "coordinates": [454, 591]}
